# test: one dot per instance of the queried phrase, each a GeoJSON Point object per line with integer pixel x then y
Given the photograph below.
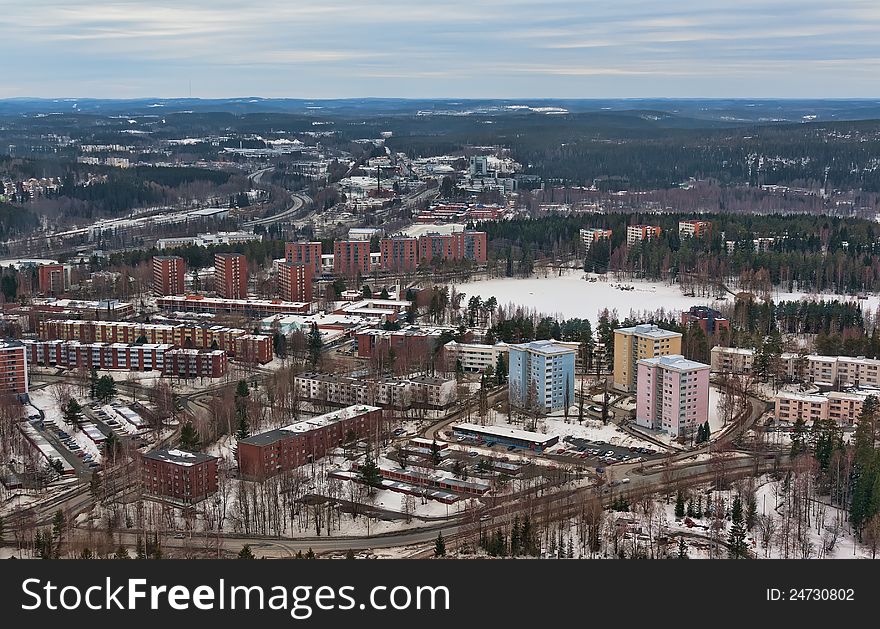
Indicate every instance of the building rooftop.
{"type": "Point", "coordinates": [674, 361]}
{"type": "Point", "coordinates": [545, 347]}
{"type": "Point", "coordinates": [179, 457]}
{"type": "Point", "coordinates": [649, 330]}
{"type": "Point", "coordinates": [308, 425]}
{"type": "Point", "coordinates": [504, 431]}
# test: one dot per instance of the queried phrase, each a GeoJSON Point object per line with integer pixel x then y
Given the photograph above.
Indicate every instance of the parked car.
{"type": "Point", "coordinates": [511, 448]}
{"type": "Point", "coordinates": [473, 453]}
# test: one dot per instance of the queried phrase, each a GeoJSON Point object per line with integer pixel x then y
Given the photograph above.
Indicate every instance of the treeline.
{"type": "Point", "coordinates": [806, 253]}
{"type": "Point", "coordinates": [15, 221]}
{"type": "Point", "coordinates": [259, 252]}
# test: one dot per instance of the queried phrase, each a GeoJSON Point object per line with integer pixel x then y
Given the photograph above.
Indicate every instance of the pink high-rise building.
{"type": "Point", "coordinates": [672, 394]}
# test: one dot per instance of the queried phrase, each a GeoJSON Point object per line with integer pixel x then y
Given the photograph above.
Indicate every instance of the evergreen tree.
{"type": "Point", "coordinates": [72, 413]}
{"type": "Point", "coordinates": [2, 531]}
{"type": "Point", "coordinates": [189, 437]}
{"type": "Point", "coordinates": [799, 437]}
{"type": "Point", "coordinates": [439, 546]}
{"type": "Point", "coordinates": [315, 344]}
{"type": "Point", "coordinates": [105, 388]}
{"type": "Point", "coordinates": [246, 552]}
{"type": "Point", "coordinates": [370, 474]}
{"type": "Point", "coordinates": [679, 504]}
{"type": "Point", "coordinates": [241, 410]}
{"type": "Point", "coordinates": [349, 554]}
{"type": "Point", "coordinates": [121, 553]}
{"type": "Point", "coordinates": [736, 540]}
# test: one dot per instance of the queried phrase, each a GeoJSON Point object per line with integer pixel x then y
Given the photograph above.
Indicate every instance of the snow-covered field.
{"type": "Point", "coordinates": [571, 296]}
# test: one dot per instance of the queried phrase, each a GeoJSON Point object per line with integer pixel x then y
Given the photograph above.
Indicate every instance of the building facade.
{"type": "Point", "coordinates": [474, 356]}
{"type": "Point", "coordinates": [693, 229]}
{"type": "Point", "coordinates": [168, 275]}
{"type": "Point", "coordinates": [52, 279]}
{"type": "Point", "coordinates": [633, 344]}
{"type": "Point", "coordinates": [295, 282]}
{"type": "Point", "coordinates": [308, 253]}
{"type": "Point", "coordinates": [399, 253]}
{"type": "Point", "coordinates": [231, 275]}
{"type": "Point", "coordinates": [271, 453]}
{"type": "Point", "coordinates": [593, 235]}
{"type": "Point", "coordinates": [253, 308]}
{"type": "Point", "coordinates": [641, 233]}
{"type": "Point", "coordinates": [351, 257]}
{"type": "Point", "coordinates": [13, 368]}
{"type": "Point", "coordinates": [187, 477]}
{"type": "Point", "coordinates": [710, 320]}
{"type": "Point", "coordinates": [672, 395]}
{"type": "Point", "coordinates": [541, 374]}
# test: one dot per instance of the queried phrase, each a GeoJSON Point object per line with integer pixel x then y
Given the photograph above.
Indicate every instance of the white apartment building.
{"type": "Point", "coordinates": [833, 371]}
{"type": "Point", "coordinates": [474, 356]}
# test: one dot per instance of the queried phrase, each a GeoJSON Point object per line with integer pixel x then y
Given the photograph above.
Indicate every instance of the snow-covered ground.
{"type": "Point", "coordinates": [571, 296]}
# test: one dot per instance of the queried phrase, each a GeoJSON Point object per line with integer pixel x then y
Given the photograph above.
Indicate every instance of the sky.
{"type": "Point", "coordinates": [441, 49]}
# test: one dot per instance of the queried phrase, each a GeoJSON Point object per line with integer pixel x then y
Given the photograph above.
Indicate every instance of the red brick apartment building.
{"type": "Point", "coordinates": [187, 477]}
{"type": "Point", "coordinates": [295, 282]}
{"type": "Point", "coordinates": [709, 319]}
{"type": "Point", "coordinates": [466, 245]}
{"type": "Point", "coordinates": [231, 275]}
{"type": "Point", "coordinates": [51, 279]}
{"type": "Point", "coordinates": [245, 307]}
{"type": "Point", "coordinates": [308, 253]}
{"type": "Point", "coordinates": [168, 274]}
{"type": "Point", "coordinates": [254, 348]}
{"type": "Point", "coordinates": [270, 453]}
{"type": "Point", "coordinates": [399, 253]}
{"type": "Point", "coordinates": [195, 363]}
{"type": "Point", "coordinates": [185, 335]}
{"type": "Point", "coordinates": [351, 257]}
{"type": "Point", "coordinates": [406, 342]}
{"type": "Point", "coordinates": [13, 368]}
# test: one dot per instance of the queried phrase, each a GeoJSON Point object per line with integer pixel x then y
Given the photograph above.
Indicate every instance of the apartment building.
{"type": "Point", "coordinates": [52, 279]}
{"type": "Point", "coordinates": [672, 394]}
{"type": "Point", "coordinates": [710, 320]}
{"type": "Point", "coordinates": [195, 363]}
{"type": "Point", "coordinates": [843, 407]}
{"type": "Point", "coordinates": [829, 371]}
{"type": "Point", "coordinates": [735, 360]}
{"type": "Point", "coordinates": [474, 356]}
{"type": "Point", "coordinates": [693, 229]}
{"type": "Point", "coordinates": [640, 233]}
{"type": "Point", "coordinates": [399, 253]}
{"type": "Point", "coordinates": [409, 343]}
{"type": "Point", "coordinates": [351, 257]}
{"type": "Point", "coordinates": [593, 235]}
{"type": "Point", "coordinates": [168, 275]}
{"type": "Point", "coordinates": [308, 253]}
{"type": "Point", "coordinates": [541, 373]}
{"type": "Point", "coordinates": [189, 477]}
{"type": "Point", "coordinates": [252, 308]}
{"type": "Point", "coordinates": [13, 368]}
{"type": "Point", "coordinates": [231, 275]}
{"type": "Point", "coordinates": [633, 344]}
{"type": "Point", "coordinates": [270, 453]}
{"type": "Point", "coordinates": [398, 393]}
{"type": "Point", "coordinates": [295, 282]}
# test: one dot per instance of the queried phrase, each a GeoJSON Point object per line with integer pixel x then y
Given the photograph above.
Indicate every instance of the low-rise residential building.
{"type": "Point", "coordinates": [672, 395]}
{"type": "Point", "coordinates": [188, 477]}
{"type": "Point", "coordinates": [398, 393]}
{"type": "Point", "coordinates": [843, 407]}
{"type": "Point", "coordinates": [734, 360]}
{"type": "Point", "coordinates": [828, 371]}
{"type": "Point", "coordinates": [379, 310]}
{"type": "Point", "coordinates": [410, 344]}
{"type": "Point", "coordinates": [253, 308]}
{"type": "Point", "coordinates": [186, 335]}
{"type": "Point", "coordinates": [474, 356]}
{"type": "Point", "coordinates": [270, 453]}
{"type": "Point", "coordinates": [186, 363]}
{"type": "Point", "coordinates": [506, 436]}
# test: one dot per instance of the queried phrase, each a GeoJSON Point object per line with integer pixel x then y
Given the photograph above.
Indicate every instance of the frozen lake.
{"type": "Point", "coordinates": [571, 296]}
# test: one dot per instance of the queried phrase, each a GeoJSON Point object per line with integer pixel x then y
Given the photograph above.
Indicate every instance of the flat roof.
{"type": "Point", "coordinates": [674, 361]}
{"type": "Point", "coordinates": [179, 457]}
{"type": "Point", "coordinates": [308, 425]}
{"type": "Point", "coordinates": [545, 347]}
{"type": "Point", "coordinates": [504, 431]}
{"type": "Point", "coordinates": [649, 330]}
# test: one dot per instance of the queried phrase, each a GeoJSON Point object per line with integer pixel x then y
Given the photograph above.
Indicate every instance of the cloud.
{"type": "Point", "coordinates": [461, 47]}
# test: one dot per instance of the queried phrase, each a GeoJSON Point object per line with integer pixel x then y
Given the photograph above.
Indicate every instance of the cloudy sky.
{"type": "Point", "coordinates": [441, 48]}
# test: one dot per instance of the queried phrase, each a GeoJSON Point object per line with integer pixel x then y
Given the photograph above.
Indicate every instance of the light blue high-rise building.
{"type": "Point", "coordinates": [541, 373]}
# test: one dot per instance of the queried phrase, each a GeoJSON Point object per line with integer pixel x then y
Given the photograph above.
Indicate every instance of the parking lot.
{"type": "Point", "coordinates": [601, 452]}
